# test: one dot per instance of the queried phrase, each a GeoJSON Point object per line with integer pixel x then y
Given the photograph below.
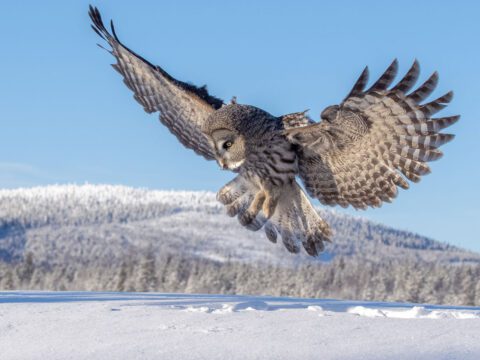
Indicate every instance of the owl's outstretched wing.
{"type": "Point", "coordinates": [357, 154]}
{"type": "Point", "coordinates": [183, 107]}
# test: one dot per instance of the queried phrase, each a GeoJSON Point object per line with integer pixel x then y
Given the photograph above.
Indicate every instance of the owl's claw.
{"type": "Point", "coordinates": [251, 212]}
{"type": "Point", "coordinates": [228, 194]}
{"type": "Point", "coordinates": [269, 205]}
{"type": "Point", "coordinates": [246, 218]}
{"type": "Point", "coordinates": [224, 197]}
{"type": "Point", "coordinates": [265, 201]}
{"type": "Point", "coordinates": [251, 221]}
{"type": "Point", "coordinates": [233, 208]}
{"type": "Point", "coordinates": [247, 202]}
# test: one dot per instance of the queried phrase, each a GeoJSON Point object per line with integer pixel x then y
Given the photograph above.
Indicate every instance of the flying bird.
{"type": "Point", "coordinates": [376, 140]}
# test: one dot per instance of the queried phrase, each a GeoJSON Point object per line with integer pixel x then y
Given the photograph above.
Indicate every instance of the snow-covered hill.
{"type": "Point", "coordinates": [122, 239]}
{"type": "Point", "coordinates": [81, 223]}
{"type": "Point", "coordinates": [87, 325]}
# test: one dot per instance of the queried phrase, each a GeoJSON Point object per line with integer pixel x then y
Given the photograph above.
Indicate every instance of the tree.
{"type": "Point", "coordinates": [122, 277]}
{"type": "Point", "coordinates": [148, 277]}
{"type": "Point", "coordinates": [26, 269]}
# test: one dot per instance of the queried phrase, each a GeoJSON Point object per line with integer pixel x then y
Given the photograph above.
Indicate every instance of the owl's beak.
{"type": "Point", "coordinates": [222, 164]}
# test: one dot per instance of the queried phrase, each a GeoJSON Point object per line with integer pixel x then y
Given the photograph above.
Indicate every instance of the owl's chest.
{"type": "Point", "coordinates": [273, 160]}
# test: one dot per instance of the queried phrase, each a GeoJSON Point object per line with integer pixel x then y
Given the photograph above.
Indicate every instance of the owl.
{"type": "Point", "coordinates": [376, 140]}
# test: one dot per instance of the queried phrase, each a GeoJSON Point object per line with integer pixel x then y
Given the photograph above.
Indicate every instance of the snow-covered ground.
{"type": "Point", "coordinates": [88, 325]}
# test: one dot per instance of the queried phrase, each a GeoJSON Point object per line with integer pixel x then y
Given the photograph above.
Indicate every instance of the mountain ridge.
{"type": "Point", "coordinates": [68, 220]}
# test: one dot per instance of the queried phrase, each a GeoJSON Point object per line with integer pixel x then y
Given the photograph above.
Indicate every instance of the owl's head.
{"type": "Point", "coordinates": [229, 148]}
{"type": "Point", "coordinates": [235, 130]}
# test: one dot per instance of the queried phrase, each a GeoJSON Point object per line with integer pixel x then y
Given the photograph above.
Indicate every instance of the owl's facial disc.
{"type": "Point", "coordinates": [229, 148]}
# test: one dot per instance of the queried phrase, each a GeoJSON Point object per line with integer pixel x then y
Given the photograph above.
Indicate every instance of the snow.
{"type": "Point", "coordinates": [416, 312]}
{"type": "Point", "coordinates": [100, 325]}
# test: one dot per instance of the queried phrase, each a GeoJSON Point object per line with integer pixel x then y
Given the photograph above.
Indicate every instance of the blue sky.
{"type": "Point", "coordinates": [66, 116]}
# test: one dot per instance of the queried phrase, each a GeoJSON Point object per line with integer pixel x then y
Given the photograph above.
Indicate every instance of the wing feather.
{"type": "Point", "coordinates": [365, 147]}
{"type": "Point", "coordinates": [183, 107]}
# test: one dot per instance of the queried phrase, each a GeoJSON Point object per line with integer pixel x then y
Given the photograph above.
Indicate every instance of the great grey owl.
{"type": "Point", "coordinates": [357, 155]}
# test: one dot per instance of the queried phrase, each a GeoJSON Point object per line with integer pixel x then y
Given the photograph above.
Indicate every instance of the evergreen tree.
{"type": "Point", "coordinates": [26, 269]}
{"type": "Point", "coordinates": [122, 277]}
{"type": "Point", "coordinates": [148, 278]}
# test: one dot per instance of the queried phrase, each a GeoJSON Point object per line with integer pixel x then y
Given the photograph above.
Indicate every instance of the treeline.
{"type": "Point", "coordinates": [343, 278]}
{"type": "Point", "coordinates": [75, 205]}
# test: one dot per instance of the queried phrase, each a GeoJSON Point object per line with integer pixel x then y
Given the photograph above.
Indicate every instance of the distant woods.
{"type": "Point", "coordinates": [343, 278]}
{"type": "Point", "coordinates": [115, 238]}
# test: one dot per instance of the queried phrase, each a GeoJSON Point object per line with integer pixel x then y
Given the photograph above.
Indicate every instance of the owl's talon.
{"type": "Point", "coordinates": [250, 214]}
{"type": "Point", "coordinates": [255, 225]}
{"type": "Point", "coordinates": [246, 218]}
{"type": "Point", "coordinates": [222, 196]}
{"type": "Point", "coordinates": [225, 196]}
{"type": "Point", "coordinates": [230, 192]}
{"type": "Point", "coordinates": [233, 208]}
{"type": "Point", "coordinates": [271, 232]}
{"type": "Point", "coordinates": [269, 206]}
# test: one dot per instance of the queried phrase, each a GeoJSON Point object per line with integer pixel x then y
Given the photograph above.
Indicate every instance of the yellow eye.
{"type": "Point", "coordinates": [227, 144]}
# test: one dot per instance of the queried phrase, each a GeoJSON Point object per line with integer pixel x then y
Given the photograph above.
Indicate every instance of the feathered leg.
{"type": "Point", "coordinates": [283, 210]}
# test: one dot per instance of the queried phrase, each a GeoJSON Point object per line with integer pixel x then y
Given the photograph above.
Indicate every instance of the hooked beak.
{"type": "Point", "coordinates": [222, 164]}
{"type": "Point", "coordinates": [235, 166]}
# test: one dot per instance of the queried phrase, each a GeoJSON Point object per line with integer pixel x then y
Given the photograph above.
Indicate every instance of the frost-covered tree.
{"type": "Point", "coordinates": [147, 280]}
{"type": "Point", "coordinates": [94, 238]}
{"type": "Point", "coordinates": [26, 269]}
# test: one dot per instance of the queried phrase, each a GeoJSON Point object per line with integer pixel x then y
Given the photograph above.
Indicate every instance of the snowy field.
{"type": "Point", "coordinates": [89, 325]}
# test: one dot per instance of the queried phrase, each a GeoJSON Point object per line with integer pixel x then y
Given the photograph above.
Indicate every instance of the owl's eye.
{"type": "Point", "coordinates": [227, 144]}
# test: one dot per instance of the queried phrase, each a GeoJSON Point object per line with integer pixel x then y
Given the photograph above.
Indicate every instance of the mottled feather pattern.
{"type": "Point", "coordinates": [377, 135]}
{"type": "Point", "coordinates": [294, 220]}
{"type": "Point", "coordinates": [274, 161]}
{"type": "Point", "coordinates": [297, 119]}
{"type": "Point", "coordinates": [183, 107]}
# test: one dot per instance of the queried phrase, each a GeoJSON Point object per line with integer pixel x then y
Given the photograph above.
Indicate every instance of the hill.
{"type": "Point", "coordinates": [81, 222]}
{"type": "Point", "coordinates": [118, 238]}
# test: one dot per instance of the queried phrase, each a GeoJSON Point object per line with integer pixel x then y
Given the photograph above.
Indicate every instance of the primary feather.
{"type": "Point", "coordinates": [374, 137]}
{"type": "Point", "coordinates": [183, 107]}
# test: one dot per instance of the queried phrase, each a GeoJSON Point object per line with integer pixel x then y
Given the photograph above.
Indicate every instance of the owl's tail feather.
{"type": "Point", "coordinates": [293, 218]}
{"type": "Point", "coordinates": [297, 222]}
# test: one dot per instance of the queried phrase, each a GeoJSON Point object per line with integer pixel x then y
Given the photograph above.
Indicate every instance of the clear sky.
{"type": "Point", "coordinates": [66, 116]}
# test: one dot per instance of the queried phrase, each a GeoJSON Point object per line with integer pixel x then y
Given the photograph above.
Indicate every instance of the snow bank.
{"type": "Point", "coordinates": [415, 312]}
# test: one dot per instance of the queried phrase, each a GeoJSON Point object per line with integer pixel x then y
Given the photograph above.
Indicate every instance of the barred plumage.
{"type": "Point", "coordinates": [183, 107]}
{"type": "Point", "coordinates": [355, 159]}
{"type": "Point", "coordinates": [359, 154]}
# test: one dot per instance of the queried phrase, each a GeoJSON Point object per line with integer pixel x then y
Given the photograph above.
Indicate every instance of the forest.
{"type": "Point", "coordinates": [342, 278]}
{"type": "Point", "coordinates": [113, 238]}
